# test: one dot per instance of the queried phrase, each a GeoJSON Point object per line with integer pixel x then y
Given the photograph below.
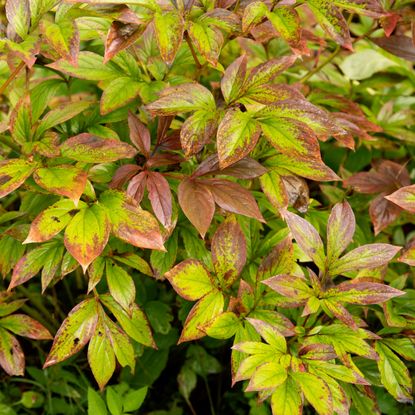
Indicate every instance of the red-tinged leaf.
{"type": "Point", "coordinates": [64, 180]}
{"type": "Point", "coordinates": [364, 257]}
{"type": "Point", "coordinates": [120, 284]}
{"type": "Point", "coordinates": [208, 40]}
{"type": "Point", "coordinates": [101, 356]}
{"type": "Point", "coordinates": [139, 134]}
{"type": "Point", "coordinates": [313, 169]}
{"type": "Point", "coordinates": [95, 272]}
{"type": "Point", "coordinates": [382, 213]}
{"type": "Point", "coordinates": [183, 98]}
{"type": "Point", "coordinates": [160, 197]}
{"type": "Point", "coordinates": [234, 79]}
{"type": "Point", "coordinates": [233, 197]}
{"type": "Point", "coordinates": [291, 137]}
{"type": "Point", "coordinates": [206, 309]}
{"type": "Point", "coordinates": [340, 230]}
{"type": "Point", "coordinates": [197, 204]}
{"type": "Point", "coordinates": [287, 23]}
{"type": "Point", "coordinates": [404, 197]}
{"type": "Point", "coordinates": [169, 27]}
{"type": "Point", "coordinates": [134, 323]}
{"type": "Point", "coordinates": [237, 136]}
{"type": "Point", "coordinates": [270, 94]}
{"type": "Point", "coordinates": [124, 174]}
{"type": "Point", "coordinates": [30, 264]}
{"type": "Point", "coordinates": [228, 251]}
{"type": "Point", "coordinates": [254, 13]}
{"type": "Point", "coordinates": [290, 286]}
{"type": "Point", "coordinates": [51, 221]}
{"type": "Point", "coordinates": [87, 234]}
{"type": "Point", "coordinates": [336, 309]}
{"type": "Point", "coordinates": [130, 223]}
{"type": "Point", "coordinates": [389, 23]}
{"type": "Point", "coordinates": [164, 159]}
{"type": "Point", "coordinates": [408, 255]}
{"type": "Point", "coordinates": [266, 72]}
{"type": "Point", "coordinates": [371, 8]}
{"type": "Point", "coordinates": [281, 323]}
{"type": "Point", "coordinates": [315, 391]}
{"type": "Point", "coordinates": [286, 399]}
{"type": "Point", "coordinates": [137, 186]}
{"type": "Point", "coordinates": [332, 21]}
{"type": "Point", "coordinates": [75, 332]}
{"type": "Point", "coordinates": [11, 354]}
{"type": "Point", "coordinates": [25, 326]}
{"type": "Point", "coordinates": [317, 352]}
{"type": "Point", "coordinates": [398, 45]}
{"type": "Point", "coordinates": [197, 131]}
{"type": "Point", "coordinates": [92, 149]}
{"type": "Point", "coordinates": [63, 37]}
{"type": "Point", "coordinates": [18, 16]}
{"type": "Point", "coordinates": [190, 280]}
{"type": "Point", "coordinates": [10, 307]}
{"type": "Point", "coordinates": [270, 334]}
{"type": "Point", "coordinates": [119, 37]}
{"type": "Point", "coordinates": [246, 168]}
{"type": "Point", "coordinates": [307, 238]}
{"type": "Point", "coordinates": [13, 173]}
{"type": "Point", "coordinates": [362, 293]}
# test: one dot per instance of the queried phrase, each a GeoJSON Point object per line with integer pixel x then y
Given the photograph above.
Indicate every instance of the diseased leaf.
{"type": "Point", "coordinates": [267, 376]}
{"type": "Point", "coordinates": [254, 13]}
{"type": "Point", "coordinates": [169, 28]}
{"type": "Point", "coordinates": [228, 251]}
{"type": "Point", "coordinates": [25, 326]}
{"type": "Point", "coordinates": [206, 309]}
{"type": "Point", "coordinates": [290, 286]}
{"type": "Point", "coordinates": [87, 234]}
{"type": "Point", "coordinates": [287, 23]}
{"type": "Point", "coordinates": [207, 40]}
{"type": "Point", "coordinates": [307, 238]}
{"type": "Point", "coordinates": [18, 16]}
{"type": "Point", "coordinates": [92, 149]}
{"type": "Point", "coordinates": [63, 180]}
{"type": "Point", "coordinates": [190, 279]}
{"type": "Point", "coordinates": [129, 222]}
{"type": "Point", "coordinates": [364, 257]}
{"type": "Point", "coordinates": [75, 332]}
{"type": "Point", "coordinates": [233, 80]}
{"type": "Point", "coordinates": [11, 354]}
{"type": "Point", "coordinates": [13, 173]}
{"type": "Point", "coordinates": [237, 136]}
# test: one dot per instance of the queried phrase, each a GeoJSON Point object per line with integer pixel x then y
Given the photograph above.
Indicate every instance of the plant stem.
{"type": "Point", "coordinates": [12, 76]}
{"type": "Point", "coordinates": [212, 408]}
{"type": "Point", "coordinates": [321, 66]}
{"type": "Point", "coordinates": [192, 50]}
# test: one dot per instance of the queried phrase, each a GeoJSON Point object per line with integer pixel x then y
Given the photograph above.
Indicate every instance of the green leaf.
{"type": "Point", "coordinates": [52, 220]}
{"type": "Point", "coordinates": [63, 37]}
{"type": "Point", "coordinates": [13, 173]}
{"type": "Point", "coordinates": [90, 66]}
{"type": "Point", "coordinates": [21, 120]}
{"type": "Point", "coordinates": [267, 376]}
{"type": "Point", "coordinates": [270, 334]}
{"type": "Point", "coordinates": [11, 354]}
{"type": "Point", "coordinates": [286, 399]}
{"type": "Point", "coordinates": [96, 405]}
{"type": "Point", "coordinates": [130, 223]}
{"type": "Point", "coordinates": [316, 392]}
{"type": "Point", "coordinates": [190, 279]}
{"type": "Point", "coordinates": [134, 399]}
{"type": "Point", "coordinates": [364, 257]}
{"type": "Point", "coordinates": [120, 284]}
{"type": "Point", "coordinates": [228, 251]}
{"type": "Point", "coordinates": [183, 98]}
{"type": "Point", "coordinates": [394, 374]}
{"type": "Point", "coordinates": [64, 180]}
{"type": "Point", "coordinates": [75, 332]}
{"type": "Point", "coordinates": [169, 28]}
{"type": "Point", "coordinates": [237, 136]}
{"type": "Point", "coordinates": [136, 262]}
{"type": "Point", "coordinates": [101, 357]}
{"type": "Point", "coordinates": [114, 401]}
{"type": "Point", "coordinates": [92, 149]}
{"type": "Point", "coordinates": [202, 312]}
{"type": "Point", "coordinates": [118, 93]}
{"type": "Point", "coordinates": [135, 323]}
{"type": "Point", "coordinates": [223, 326]}
{"type": "Point", "coordinates": [87, 234]}
{"type": "Point", "coordinates": [273, 187]}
